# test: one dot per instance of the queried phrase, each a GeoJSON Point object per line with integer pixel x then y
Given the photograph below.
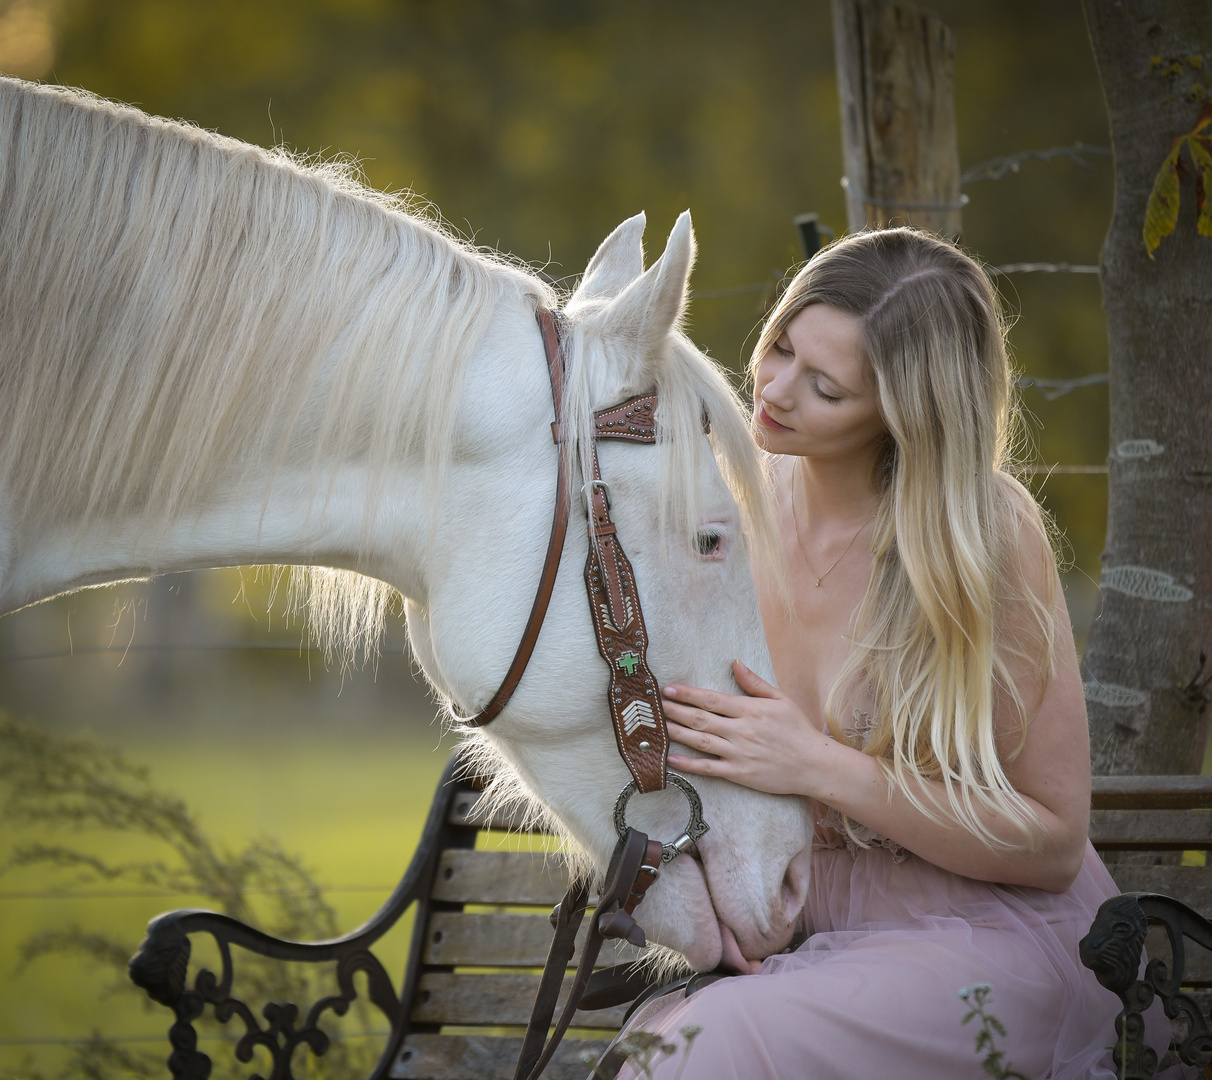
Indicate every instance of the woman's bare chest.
{"type": "Point", "coordinates": [810, 643]}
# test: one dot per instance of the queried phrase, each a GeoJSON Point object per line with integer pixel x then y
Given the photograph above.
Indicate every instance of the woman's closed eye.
{"type": "Point", "coordinates": [816, 389]}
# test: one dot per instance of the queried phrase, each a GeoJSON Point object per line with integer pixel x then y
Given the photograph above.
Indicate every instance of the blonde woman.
{"type": "Point", "coordinates": [928, 704]}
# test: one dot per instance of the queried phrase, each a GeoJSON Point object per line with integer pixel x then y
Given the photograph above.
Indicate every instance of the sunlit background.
{"type": "Point", "coordinates": [535, 126]}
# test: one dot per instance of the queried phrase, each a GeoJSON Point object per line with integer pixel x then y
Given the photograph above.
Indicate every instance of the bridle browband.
{"type": "Point", "coordinates": [638, 719]}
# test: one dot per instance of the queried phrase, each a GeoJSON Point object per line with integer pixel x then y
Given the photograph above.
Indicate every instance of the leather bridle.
{"type": "Point", "coordinates": [640, 730]}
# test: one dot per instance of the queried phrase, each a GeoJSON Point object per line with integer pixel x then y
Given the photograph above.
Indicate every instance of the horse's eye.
{"type": "Point", "coordinates": [708, 543]}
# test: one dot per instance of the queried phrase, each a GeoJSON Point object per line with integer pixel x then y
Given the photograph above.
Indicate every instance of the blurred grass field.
{"type": "Point", "coordinates": [351, 809]}
{"type": "Point", "coordinates": [338, 769]}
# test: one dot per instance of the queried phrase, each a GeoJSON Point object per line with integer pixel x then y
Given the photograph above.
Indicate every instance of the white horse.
{"type": "Point", "coordinates": [212, 355]}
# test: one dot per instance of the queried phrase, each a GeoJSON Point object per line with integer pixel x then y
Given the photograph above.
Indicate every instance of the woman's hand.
{"type": "Point", "coordinates": [762, 740]}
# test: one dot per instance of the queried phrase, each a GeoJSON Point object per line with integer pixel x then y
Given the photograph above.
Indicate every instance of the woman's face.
{"type": "Point", "coordinates": [814, 392]}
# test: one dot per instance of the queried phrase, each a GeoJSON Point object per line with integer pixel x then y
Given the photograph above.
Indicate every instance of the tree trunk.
{"type": "Point", "coordinates": [1146, 716]}
{"type": "Point", "coordinates": [895, 79]}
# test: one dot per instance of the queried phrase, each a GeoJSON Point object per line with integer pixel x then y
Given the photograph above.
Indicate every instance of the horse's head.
{"type": "Point", "coordinates": [681, 525]}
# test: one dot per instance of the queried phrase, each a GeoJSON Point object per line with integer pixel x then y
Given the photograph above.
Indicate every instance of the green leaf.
{"type": "Point", "coordinates": [1201, 153]}
{"type": "Point", "coordinates": [1161, 213]}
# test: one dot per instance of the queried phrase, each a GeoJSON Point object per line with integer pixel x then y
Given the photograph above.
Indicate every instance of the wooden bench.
{"type": "Point", "coordinates": [481, 931]}
{"type": "Point", "coordinates": [467, 970]}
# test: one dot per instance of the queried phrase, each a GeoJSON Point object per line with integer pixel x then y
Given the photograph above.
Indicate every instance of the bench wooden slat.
{"type": "Point", "coordinates": [1151, 792]}
{"type": "Point", "coordinates": [500, 877]}
{"type": "Point", "coordinates": [495, 999]}
{"type": "Point", "coordinates": [485, 1057]}
{"type": "Point", "coordinates": [463, 812]}
{"type": "Point", "coordinates": [502, 940]}
{"type": "Point", "coordinates": [1107, 793]}
{"type": "Point", "coordinates": [1190, 884]}
{"type": "Point", "coordinates": [1151, 830]}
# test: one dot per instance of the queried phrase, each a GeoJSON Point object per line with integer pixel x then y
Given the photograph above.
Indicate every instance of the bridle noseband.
{"type": "Point", "coordinates": [634, 696]}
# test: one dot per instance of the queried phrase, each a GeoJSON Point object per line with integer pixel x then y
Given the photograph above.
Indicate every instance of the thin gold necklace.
{"type": "Point", "coordinates": [795, 521]}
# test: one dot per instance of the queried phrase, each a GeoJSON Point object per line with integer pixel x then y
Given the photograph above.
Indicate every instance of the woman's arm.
{"type": "Point", "coordinates": [764, 740]}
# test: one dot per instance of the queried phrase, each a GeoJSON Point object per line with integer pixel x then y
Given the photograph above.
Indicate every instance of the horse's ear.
{"type": "Point", "coordinates": [650, 307]}
{"type": "Point", "coordinates": [617, 263]}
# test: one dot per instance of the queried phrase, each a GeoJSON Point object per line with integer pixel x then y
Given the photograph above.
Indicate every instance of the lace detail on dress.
{"type": "Point", "coordinates": [860, 731]}
{"type": "Point", "coordinates": [856, 836]}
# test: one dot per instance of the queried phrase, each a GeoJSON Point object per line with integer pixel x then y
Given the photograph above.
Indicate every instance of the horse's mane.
{"type": "Point", "coordinates": [170, 300]}
{"type": "Point", "coordinates": [170, 297]}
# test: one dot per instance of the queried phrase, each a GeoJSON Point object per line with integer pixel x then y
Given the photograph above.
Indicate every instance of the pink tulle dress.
{"type": "Point", "coordinates": [873, 990]}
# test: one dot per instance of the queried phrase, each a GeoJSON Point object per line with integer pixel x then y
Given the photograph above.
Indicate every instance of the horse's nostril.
{"type": "Point", "coordinates": [795, 884]}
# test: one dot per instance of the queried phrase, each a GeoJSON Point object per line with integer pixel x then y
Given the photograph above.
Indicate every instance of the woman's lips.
{"type": "Point", "coordinates": [766, 419]}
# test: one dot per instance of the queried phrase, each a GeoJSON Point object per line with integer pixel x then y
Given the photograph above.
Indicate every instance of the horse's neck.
{"type": "Point", "coordinates": [317, 515]}
{"type": "Point", "coordinates": [216, 357]}
{"type": "Point", "coordinates": [244, 527]}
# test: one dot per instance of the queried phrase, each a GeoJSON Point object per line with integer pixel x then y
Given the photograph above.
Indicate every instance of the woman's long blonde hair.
{"type": "Point", "coordinates": [929, 637]}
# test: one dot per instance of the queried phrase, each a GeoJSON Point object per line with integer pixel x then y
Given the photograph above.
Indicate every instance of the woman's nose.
{"type": "Point", "coordinates": [777, 392]}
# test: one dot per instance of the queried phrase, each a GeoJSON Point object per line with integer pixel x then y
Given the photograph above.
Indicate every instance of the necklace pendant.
{"type": "Point", "coordinates": [818, 583]}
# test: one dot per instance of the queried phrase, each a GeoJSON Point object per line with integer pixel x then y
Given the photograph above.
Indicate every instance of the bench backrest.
{"type": "Point", "coordinates": [1155, 833]}
{"type": "Point", "coordinates": [1156, 819]}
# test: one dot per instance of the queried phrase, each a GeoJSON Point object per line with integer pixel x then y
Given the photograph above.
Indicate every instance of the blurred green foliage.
{"type": "Point", "coordinates": [91, 846]}
{"type": "Point", "coordinates": [61, 785]}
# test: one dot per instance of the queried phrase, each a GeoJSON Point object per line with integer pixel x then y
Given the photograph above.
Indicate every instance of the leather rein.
{"type": "Point", "coordinates": [638, 719]}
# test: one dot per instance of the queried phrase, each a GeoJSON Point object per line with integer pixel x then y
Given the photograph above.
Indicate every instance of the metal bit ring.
{"type": "Point", "coordinates": [695, 827]}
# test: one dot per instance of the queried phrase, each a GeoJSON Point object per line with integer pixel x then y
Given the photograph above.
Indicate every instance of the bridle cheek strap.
{"type": "Point", "coordinates": [555, 543]}
{"type": "Point", "coordinates": [618, 620]}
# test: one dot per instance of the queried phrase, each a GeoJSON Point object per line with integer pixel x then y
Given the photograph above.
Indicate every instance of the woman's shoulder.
{"type": "Point", "coordinates": [1031, 617]}
{"type": "Point", "coordinates": [1024, 531]}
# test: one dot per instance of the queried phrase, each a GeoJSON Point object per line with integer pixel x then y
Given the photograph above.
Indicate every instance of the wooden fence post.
{"type": "Point", "coordinates": [895, 78]}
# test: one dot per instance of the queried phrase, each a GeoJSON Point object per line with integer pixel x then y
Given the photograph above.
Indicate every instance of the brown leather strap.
{"type": "Point", "coordinates": [632, 420]}
{"type": "Point", "coordinates": [566, 918]}
{"type": "Point", "coordinates": [634, 698]}
{"type": "Point", "coordinates": [634, 866]}
{"type": "Point", "coordinates": [555, 543]}
{"type": "Point", "coordinates": [618, 623]}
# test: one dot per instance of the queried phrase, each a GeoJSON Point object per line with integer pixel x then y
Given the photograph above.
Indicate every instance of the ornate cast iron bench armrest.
{"type": "Point", "coordinates": [1154, 818]}
{"type": "Point", "coordinates": [1113, 951]}
{"type": "Point", "coordinates": [161, 966]}
{"type": "Point", "coordinates": [480, 934]}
